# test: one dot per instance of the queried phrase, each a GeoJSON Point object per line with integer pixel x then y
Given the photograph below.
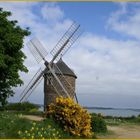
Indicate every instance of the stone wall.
{"type": "Point", "coordinates": [51, 93]}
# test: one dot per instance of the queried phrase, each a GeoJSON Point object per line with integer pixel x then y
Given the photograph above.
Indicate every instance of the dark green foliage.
{"type": "Point", "coordinates": [24, 106]}
{"type": "Point", "coordinates": [98, 124]}
{"type": "Point", "coordinates": [138, 119]}
{"type": "Point", "coordinates": [11, 55]}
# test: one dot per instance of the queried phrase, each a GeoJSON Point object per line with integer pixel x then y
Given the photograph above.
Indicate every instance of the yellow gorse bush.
{"type": "Point", "coordinates": [72, 116]}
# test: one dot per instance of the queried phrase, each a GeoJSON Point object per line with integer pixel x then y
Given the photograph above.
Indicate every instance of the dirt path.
{"type": "Point", "coordinates": [33, 117]}
{"type": "Point", "coordinates": [123, 131]}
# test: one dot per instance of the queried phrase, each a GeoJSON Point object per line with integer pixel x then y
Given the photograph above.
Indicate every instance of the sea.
{"type": "Point", "coordinates": [118, 112]}
{"type": "Point", "coordinates": [115, 112]}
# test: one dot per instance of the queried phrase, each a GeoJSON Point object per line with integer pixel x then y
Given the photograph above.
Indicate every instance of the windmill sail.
{"type": "Point", "coordinates": [33, 88]}
{"type": "Point", "coordinates": [31, 85]}
{"type": "Point", "coordinates": [66, 41]}
{"type": "Point", "coordinates": [37, 49]}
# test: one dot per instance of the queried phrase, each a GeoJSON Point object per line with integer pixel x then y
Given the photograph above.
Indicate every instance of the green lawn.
{"type": "Point", "coordinates": [12, 125]}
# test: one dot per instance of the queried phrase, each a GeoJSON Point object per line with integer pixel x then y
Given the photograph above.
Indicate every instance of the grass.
{"type": "Point", "coordinates": [122, 120]}
{"type": "Point", "coordinates": [114, 121]}
{"type": "Point", "coordinates": [108, 133]}
{"type": "Point", "coordinates": [12, 125]}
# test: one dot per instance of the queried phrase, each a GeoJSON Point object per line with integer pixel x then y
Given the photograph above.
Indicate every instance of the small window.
{"type": "Point", "coordinates": [49, 81]}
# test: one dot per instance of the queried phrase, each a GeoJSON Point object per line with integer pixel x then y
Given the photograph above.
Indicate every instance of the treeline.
{"type": "Point", "coordinates": [24, 106]}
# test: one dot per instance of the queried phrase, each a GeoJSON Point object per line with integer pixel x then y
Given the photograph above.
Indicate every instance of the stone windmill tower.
{"type": "Point", "coordinates": [67, 78]}
{"type": "Point", "coordinates": [59, 79]}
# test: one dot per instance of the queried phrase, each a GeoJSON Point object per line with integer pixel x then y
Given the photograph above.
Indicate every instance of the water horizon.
{"type": "Point", "coordinates": [110, 111]}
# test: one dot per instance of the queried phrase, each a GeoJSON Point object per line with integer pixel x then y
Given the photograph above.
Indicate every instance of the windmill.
{"type": "Point", "coordinates": [59, 79]}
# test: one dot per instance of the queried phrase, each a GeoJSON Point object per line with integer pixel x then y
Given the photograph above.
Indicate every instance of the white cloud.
{"type": "Point", "coordinates": [126, 21]}
{"type": "Point", "coordinates": [52, 12]}
{"type": "Point", "coordinates": [113, 62]}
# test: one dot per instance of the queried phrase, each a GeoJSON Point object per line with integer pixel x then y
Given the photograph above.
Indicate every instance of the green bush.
{"type": "Point", "coordinates": [138, 118]}
{"type": "Point", "coordinates": [24, 106]}
{"type": "Point", "coordinates": [97, 123]}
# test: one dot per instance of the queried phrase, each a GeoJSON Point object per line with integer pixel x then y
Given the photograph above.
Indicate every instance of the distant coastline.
{"type": "Point", "coordinates": [100, 108]}
{"type": "Point", "coordinates": [103, 108]}
{"type": "Point", "coordinates": [111, 108]}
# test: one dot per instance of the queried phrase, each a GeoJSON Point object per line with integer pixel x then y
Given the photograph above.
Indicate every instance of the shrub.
{"type": "Point", "coordinates": [138, 119]}
{"type": "Point", "coordinates": [98, 124]}
{"type": "Point", "coordinates": [73, 118]}
{"type": "Point", "coordinates": [24, 106]}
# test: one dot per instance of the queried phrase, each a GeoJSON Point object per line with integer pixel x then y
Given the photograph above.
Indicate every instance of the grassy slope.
{"type": "Point", "coordinates": [11, 123]}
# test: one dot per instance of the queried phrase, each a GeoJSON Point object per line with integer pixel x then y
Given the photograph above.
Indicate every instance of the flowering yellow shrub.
{"type": "Point", "coordinates": [71, 116]}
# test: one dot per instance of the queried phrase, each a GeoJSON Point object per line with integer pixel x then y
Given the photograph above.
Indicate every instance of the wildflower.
{"type": "Point", "coordinates": [39, 133]}
{"type": "Point", "coordinates": [20, 115]}
{"type": "Point", "coordinates": [34, 123]}
{"type": "Point", "coordinates": [49, 126]}
{"type": "Point", "coordinates": [28, 134]}
{"type": "Point", "coordinates": [19, 132]}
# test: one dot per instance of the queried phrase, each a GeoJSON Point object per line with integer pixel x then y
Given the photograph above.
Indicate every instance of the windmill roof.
{"type": "Point", "coordinates": [64, 68]}
{"type": "Point", "coordinates": [61, 66]}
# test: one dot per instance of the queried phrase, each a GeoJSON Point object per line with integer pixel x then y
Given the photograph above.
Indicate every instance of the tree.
{"type": "Point", "coordinates": [11, 55]}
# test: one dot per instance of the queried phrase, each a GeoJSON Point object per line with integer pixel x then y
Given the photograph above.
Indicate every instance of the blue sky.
{"type": "Point", "coordinates": [105, 58]}
{"type": "Point", "coordinates": [89, 13]}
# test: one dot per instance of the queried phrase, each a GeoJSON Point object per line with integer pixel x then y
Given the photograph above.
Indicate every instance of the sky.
{"type": "Point", "coordinates": [105, 58]}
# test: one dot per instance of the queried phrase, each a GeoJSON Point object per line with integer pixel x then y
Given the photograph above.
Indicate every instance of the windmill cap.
{"type": "Point", "coordinates": [64, 68]}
